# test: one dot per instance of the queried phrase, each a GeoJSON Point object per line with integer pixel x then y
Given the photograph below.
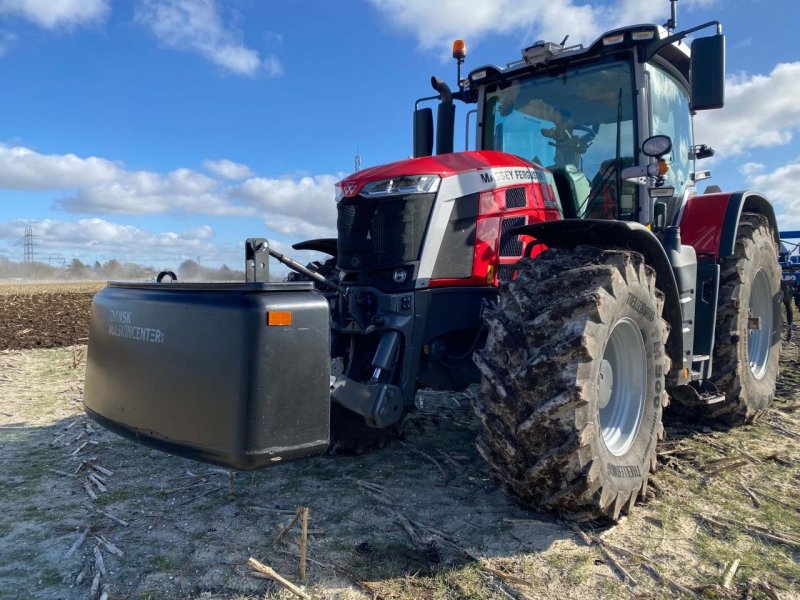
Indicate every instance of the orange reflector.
{"type": "Point", "coordinates": [663, 167]}
{"type": "Point", "coordinates": [490, 274]}
{"type": "Point", "coordinates": [279, 317]}
{"type": "Point", "coordinates": [459, 49]}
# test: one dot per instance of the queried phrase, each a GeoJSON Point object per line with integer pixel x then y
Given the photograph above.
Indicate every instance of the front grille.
{"type": "Point", "coordinates": [510, 245]}
{"type": "Point", "coordinates": [381, 232]}
{"type": "Point", "coordinates": [515, 197]}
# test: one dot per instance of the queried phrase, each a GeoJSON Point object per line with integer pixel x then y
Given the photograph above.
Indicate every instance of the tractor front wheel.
{"type": "Point", "coordinates": [747, 340]}
{"type": "Point", "coordinates": [572, 387]}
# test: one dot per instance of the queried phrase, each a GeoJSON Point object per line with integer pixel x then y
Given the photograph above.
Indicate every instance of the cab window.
{"type": "Point", "coordinates": [670, 116]}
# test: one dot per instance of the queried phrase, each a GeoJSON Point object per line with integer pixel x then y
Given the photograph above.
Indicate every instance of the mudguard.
{"type": "Point", "coordinates": [709, 222]}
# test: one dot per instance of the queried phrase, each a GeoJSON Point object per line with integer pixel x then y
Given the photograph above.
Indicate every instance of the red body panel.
{"type": "Point", "coordinates": [701, 223]}
{"type": "Point", "coordinates": [442, 164]}
{"type": "Point", "coordinates": [541, 206]}
{"type": "Point", "coordinates": [499, 171]}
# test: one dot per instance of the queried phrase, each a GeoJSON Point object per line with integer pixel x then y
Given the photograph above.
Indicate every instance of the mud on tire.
{"type": "Point", "coordinates": [543, 432]}
{"type": "Point", "coordinates": [745, 365]}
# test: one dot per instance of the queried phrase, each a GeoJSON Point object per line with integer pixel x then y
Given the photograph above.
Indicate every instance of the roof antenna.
{"type": "Point", "coordinates": [672, 23]}
{"type": "Point", "coordinates": [564, 41]}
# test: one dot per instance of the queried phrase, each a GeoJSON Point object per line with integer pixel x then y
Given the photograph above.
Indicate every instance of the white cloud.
{"type": "Point", "coordinates": [436, 24]}
{"type": "Point", "coordinates": [23, 168]}
{"type": "Point", "coordinates": [197, 26]}
{"type": "Point", "coordinates": [142, 192]}
{"type": "Point", "coordinates": [298, 207]}
{"type": "Point", "coordinates": [51, 14]}
{"type": "Point", "coordinates": [228, 169]}
{"type": "Point", "coordinates": [780, 186]}
{"type": "Point", "coordinates": [98, 185]}
{"type": "Point", "coordinates": [92, 237]}
{"type": "Point", "coordinates": [760, 111]}
{"type": "Point", "coordinates": [751, 168]}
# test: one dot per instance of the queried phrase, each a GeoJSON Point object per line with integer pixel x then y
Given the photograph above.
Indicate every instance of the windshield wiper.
{"type": "Point", "coordinates": [617, 158]}
{"type": "Point", "coordinates": [613, 170]}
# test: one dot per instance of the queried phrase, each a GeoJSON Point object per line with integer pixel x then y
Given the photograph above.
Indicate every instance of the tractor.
{"type": "Point", "coordinates": [789, 260]}
{"type": "Point", "coordinates": [567, 265]}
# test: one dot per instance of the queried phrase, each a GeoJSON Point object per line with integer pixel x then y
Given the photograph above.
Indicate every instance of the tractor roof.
{"type": "Point", "coordinates": [549, 56]}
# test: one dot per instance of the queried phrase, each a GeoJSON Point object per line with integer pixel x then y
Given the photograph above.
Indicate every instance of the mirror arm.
{"type": "Point", "coordinates": [647, 52]}
{"type": "Point", "coordinates": [635, 172]}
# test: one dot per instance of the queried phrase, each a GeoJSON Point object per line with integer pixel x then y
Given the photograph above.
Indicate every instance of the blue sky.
{"type": "Point", "coordinates": [160, 130]}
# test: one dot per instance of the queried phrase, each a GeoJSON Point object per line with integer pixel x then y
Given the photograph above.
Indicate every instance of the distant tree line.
{"type": "Point", "coordinates": [76, 269]}
{"type": "Point", "coordinates": [189, 270]}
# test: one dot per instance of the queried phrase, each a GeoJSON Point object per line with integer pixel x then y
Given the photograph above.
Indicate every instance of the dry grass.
{"type": "Point", "coordinates": [50, 287]}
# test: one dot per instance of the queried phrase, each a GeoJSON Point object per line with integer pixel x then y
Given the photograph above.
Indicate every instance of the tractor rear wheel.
{"type": "Point", "coordinates": [572, 388]}
{"type": "Point", "coordinates": [747, 340]}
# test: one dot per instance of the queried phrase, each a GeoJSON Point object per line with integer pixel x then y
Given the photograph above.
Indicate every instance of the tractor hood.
{"type": "Point", "coordinates": [444, 165]}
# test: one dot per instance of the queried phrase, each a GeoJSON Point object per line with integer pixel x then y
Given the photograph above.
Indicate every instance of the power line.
{"type": "Point", "coordinates": [57, 258]}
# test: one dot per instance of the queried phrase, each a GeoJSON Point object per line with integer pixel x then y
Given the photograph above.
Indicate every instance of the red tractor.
{"type": "Point", "coordinates": [568, 265]}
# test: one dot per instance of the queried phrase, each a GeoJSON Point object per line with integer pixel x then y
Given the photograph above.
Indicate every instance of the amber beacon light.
{"type": "Point", "coordinates": [459, 50]}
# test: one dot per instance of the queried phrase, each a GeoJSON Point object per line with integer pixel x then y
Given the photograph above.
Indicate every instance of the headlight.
{"type": "Point", "coordinates": [657, 146]}
{"type": "Point", "coordinates": [398, 186]}
{"type": "Point", "coordinates": [339, 192]}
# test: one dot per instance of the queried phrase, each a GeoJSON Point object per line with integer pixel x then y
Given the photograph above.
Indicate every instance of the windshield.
{"type": "Point", "coordinates": [578, 122]}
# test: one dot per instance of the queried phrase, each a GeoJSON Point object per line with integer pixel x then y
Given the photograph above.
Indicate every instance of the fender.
{"type": "Point", "coordinates": [709, 221]}
{"type": "Point", "coordinates": [627, 235]}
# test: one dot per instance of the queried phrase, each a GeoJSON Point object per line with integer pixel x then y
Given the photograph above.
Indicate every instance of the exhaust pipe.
{"type": "Point", "coordinates": [445, 117]}
{"type": "Point", "coordinates": [443, 89]}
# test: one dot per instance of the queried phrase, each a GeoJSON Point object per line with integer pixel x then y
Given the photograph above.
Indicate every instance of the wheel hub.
{"type": "Point", "coordinates": [605, 383]}
{"type": "Point", "coordinates": [621, 386]}
{"type": "Point", "coordinates": [759, 338]}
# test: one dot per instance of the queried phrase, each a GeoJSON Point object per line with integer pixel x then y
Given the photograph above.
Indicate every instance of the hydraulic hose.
{"type": "Point", "coordinates": [303, 270]}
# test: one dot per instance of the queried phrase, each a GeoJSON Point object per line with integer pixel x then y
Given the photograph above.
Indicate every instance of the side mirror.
{"type": "Point", "coordinates": [708, 72]}
{"type": "Point", "coordinates": [423, 132]}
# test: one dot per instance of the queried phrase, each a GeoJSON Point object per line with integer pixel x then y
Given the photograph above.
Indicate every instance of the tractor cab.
{"type": "Point", "coordinates": [584, 113]}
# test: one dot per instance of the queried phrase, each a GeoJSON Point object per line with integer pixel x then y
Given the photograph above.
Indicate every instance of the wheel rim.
{"type": "Point", "coordinates": [621, 384]}
{"type": "Point", "coordinates": [759, 333]}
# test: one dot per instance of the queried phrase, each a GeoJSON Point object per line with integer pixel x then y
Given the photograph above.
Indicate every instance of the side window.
{"type": "Point", "coordinates": [670, 116]}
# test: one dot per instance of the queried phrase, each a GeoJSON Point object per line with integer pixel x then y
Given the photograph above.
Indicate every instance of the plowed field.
{"type": "Point", "coordinates": [45, 315]}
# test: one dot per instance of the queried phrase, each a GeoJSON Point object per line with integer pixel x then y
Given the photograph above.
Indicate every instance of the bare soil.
{"type": "Point", "coordinates": [46, 315]}
{"type": "Point", "coordinates": [418, 519]}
